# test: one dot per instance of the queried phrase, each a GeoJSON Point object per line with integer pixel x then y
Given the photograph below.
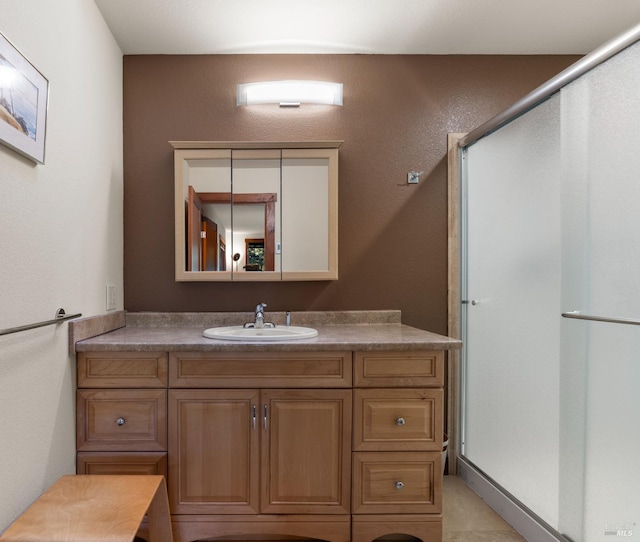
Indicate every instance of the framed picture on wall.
{"type": "Point", "coordinates": [24, 93]}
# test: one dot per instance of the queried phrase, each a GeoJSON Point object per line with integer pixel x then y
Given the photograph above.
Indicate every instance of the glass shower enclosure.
{"type": "Point", "coordinates": [550, 293]}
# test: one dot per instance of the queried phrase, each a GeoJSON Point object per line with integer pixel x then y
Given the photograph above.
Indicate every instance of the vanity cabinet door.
{"type": "Point", "coordinates": [306, 451]}
{"type": "Point", "coordinates": [214, 462]}
{"type": "Point", "coordinates": [213, 451]}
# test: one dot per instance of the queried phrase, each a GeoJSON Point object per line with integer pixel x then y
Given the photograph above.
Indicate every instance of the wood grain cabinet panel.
{"type": "Point", "coordinates": [154, 463]}
{"type": "Point", "coordinates": [306, 451]}
{"type": "Point", "coordinates": [122, 369]}
{"type": "Point", "coordinates": [395, 483]}
{"type": "Point", "coordinates": [410, 369]}
{"type": "Point", "coordinates": [214, 451]}
{"type": "Point", "coordinates": [424, 527]}
{"type": "Point", "coordinates": [260, 369]}
{"type": "Point", "coordinates": [123, 420]}
{"type": "Point", "coordinates": [397, 419]}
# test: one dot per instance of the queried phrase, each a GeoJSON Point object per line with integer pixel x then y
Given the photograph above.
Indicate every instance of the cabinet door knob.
{"type": "Point", "coordinates": [400, 421]}
{"type": "Point", "coordinates": [120, 421]}
{"type": "Point", "coordinates": [399, 485]}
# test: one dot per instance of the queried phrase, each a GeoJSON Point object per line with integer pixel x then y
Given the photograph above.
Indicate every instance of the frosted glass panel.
{"type": "Point", "coordinates": [512, 345]}
{"type": "Point", "coordinates": [601, 113]}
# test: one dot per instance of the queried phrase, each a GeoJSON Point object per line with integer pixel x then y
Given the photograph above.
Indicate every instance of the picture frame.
{"type": "Point", "coordinates": [24, 97]}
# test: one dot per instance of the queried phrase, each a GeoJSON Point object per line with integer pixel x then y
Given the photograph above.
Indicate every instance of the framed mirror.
{"type": "Point", "coordinates": [256, 211]}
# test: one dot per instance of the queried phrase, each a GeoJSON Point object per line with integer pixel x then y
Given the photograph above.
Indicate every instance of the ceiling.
{"type": "Point", "coordinates": [366, 26]}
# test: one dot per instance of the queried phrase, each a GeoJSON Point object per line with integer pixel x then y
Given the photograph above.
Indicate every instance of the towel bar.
{"type": "Point", "coordinates": [61, 316]}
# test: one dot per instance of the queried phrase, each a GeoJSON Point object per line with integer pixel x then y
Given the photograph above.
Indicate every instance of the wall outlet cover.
{"type": "Point", "coordinates": [111, 297]}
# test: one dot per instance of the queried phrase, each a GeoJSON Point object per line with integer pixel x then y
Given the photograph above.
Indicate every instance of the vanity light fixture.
{"type": "Point", "coordinates": [290, 93]}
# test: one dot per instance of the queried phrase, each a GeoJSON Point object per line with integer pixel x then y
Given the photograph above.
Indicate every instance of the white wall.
{"type": "Point", "coordinates": [61, 237]}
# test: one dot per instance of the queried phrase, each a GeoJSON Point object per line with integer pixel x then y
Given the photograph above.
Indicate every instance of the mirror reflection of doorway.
{"type": "Point", "coordinates": [222, 256]}
{"type": "Point", "coordinates": [201, 258]}
{"type": "Point", "coordinates": [209, 236]}
{"type": "Point", "coordinates": [254, 249]}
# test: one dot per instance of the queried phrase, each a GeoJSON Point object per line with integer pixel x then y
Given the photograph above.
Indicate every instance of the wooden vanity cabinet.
{"type": "Point", "coordinates": [260, 433]}
{"type": "Point", "coordinates": [339, 446]}
{"type": "Point", "coordinates": [397, 445]}
{"type": "Point", "coordinates": [121, 413]}
{"type": "Point", "coordinates": [273, 451]}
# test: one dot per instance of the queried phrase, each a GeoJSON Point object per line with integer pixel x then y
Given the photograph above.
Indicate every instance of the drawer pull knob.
{"type": "Point", "coordinates": [399, 485]}
{"type": "Point", "coordinates": [120, 421]}
{"type": "Point", "coordinates": [400, 421]}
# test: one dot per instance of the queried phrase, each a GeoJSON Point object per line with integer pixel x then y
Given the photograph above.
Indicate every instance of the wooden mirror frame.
{"type": "Point", "coordinates": [203, 150]}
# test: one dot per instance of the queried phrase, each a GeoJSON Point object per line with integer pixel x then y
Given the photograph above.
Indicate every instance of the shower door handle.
{"type": "Point", "coordinates": [579, 316]}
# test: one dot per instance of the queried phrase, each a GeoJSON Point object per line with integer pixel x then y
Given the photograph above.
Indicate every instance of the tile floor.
{"type": "Point", "coordinates": [467, 518]}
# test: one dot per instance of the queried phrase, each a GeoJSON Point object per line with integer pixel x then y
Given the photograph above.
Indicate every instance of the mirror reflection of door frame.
{"type": "Point", "coordinates": [209, 242]}
{"type": "Point", "coordinates": [268, 199]}
{"type": "Point", "coordinates": [222, 253]}
{"type": "Point", "coordinates": [194, 227]}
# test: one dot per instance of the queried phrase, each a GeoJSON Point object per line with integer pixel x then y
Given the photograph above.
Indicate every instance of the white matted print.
{"type": "Point", "coordinates": [24, 93]}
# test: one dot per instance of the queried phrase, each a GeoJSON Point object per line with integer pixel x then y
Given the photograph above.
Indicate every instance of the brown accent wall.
{"type": "Point", "coordinates": [396, 114]}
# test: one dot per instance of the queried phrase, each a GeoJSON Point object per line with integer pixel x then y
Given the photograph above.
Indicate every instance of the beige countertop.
{"type": "Point", "coordinates": [344, 330]}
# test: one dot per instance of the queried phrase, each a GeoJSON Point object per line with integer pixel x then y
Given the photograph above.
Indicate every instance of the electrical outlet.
{"type": "Point", "coordinates": [111, 297]}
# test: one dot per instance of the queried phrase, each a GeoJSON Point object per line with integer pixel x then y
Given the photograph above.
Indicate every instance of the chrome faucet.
{"type": "Point", "coordinates": [259, 322]}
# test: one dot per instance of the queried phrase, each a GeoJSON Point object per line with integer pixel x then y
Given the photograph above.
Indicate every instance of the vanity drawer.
{"type": "Point", "coordinates": [260, 370]}
{"type": "Point", "coordinates": [419, 369]}
{"type": "Point", "coordinates": [122, 463]}
{"type": "Point", "coordinates": [397, 483]}
{"type": "Point", "coordinates": [398, 419]}
{"type": "Point", "coordinates": [122, 369]}
{"type": "Point", "coordinates": [124, 420]}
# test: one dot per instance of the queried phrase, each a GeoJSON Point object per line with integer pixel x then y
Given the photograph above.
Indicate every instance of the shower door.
{"type": "Point", "coordinates": [511, 347]}
{"type": "Point", "coordinates": [551, 373]}
{"type": "Point", "coordinates": [600, 354]}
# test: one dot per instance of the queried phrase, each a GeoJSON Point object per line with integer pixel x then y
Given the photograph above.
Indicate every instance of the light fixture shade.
{"type": "Point", "coordinates": [290, 93]}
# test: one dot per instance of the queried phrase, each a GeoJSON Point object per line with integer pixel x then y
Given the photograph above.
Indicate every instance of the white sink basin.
{"type": "Point", "coordinates": [278, 333]}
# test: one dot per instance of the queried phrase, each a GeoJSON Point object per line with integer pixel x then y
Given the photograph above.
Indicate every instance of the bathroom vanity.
{"type": "Point", "coordinates": [337, 438]}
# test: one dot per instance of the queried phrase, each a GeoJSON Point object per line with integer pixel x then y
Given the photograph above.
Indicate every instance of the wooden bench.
{"type": "Point", "coordinates": [95, 508]}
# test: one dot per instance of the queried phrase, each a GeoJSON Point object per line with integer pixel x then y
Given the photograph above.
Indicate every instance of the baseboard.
{"type": "Point", "coordinates": [523, 520]}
